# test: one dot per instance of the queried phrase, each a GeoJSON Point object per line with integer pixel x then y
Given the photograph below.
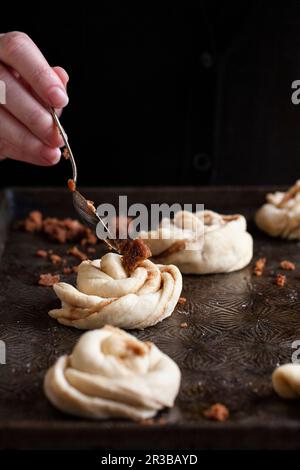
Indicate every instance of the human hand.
{"type": "Point", "coordinates": [27, 131]}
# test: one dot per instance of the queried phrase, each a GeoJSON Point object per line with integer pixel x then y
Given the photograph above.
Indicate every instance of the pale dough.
{"type": "Point", "coordinates": [201, 243]}
{"type": "Point", "coordinates": [112, 374]}
{"type": "Point", "coordinates": [286, 381]}
{"type": "Point", "coordinates": [105, 294]}
{"type": "Point", "coordinates": [280, 216]}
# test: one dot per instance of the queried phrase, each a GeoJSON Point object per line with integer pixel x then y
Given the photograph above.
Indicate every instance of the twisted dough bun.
{"type": "Point", "coordinates": [280, 216]}
{"type": "Point", "coordinates": [105, 294]}
{"type": "Point", "coordinates": [201, 243]}
{"type": "Point", "coordinates": [286, 380]}
{"type": "Point", "coordinates": [112, 374]}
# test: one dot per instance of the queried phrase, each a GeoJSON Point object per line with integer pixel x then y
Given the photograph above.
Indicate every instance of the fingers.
{"type": "Point", "coordinates": [19, 52]}
{"type": "Point", "coordinates": [62, 75]}
{"type": "Point", "coordinates": [29, 111]}
{"type": "Point", "coordinates": [17, 142]}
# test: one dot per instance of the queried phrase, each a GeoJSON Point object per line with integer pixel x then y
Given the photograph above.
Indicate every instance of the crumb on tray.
{"type": "Point", "coordinates": [71, 185]}
{"type": "Point", "coordinates": [259, 266]}
{"type": "Point", "coordinates": [48, 279]}
{"type": "Point", "coordinates": [280, 280]}
{"type": "Point", "coordinates": [287, 265]}
{"type": "Point", "coordinates": [42, 253]}
{"type": "Point", "coordinates": [74, 251]}
{"type": "Point", "coordinates": [217, 412]}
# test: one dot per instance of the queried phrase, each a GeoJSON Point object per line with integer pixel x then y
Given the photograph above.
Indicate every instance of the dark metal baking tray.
{"type": "Point", "coordinates": [239, 328]}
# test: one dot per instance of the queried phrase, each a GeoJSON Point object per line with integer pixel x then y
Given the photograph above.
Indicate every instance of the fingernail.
{"type": "Point", "coordinates": [51, 156]}
{"type": "Point", "coordinates": [58, 97]}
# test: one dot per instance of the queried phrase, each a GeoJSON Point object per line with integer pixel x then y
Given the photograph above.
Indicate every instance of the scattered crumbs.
{"type": "Point", "coordinates": [183, 325]}
{"type": "Point", "coordinates": [217, 412]}
{"type": "Point", "coordinates": [74, 251]}
{"type": "Point", "coordinates": [182, 300]}
{"type": "Point", "coordinates": [280, 280]}
{"type": "Point", "coordinates": [48, 279]}
{"type": "Point", "coordinates": [244, 305]}
{"type": "Point", "coordinates": [34, 222]}
{"type": "Point", "coordinates": [90, 238]}
{"type": "Point", "coordinates": [41, 253]}
{"type": "Point", "coordinates": [287, 265]}
{"type": "Point", "coordinates": [91, 249]}
{"type": "Point", "coordinates": [259, 266]}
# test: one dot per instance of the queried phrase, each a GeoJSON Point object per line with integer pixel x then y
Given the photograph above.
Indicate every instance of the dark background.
{"type": "Point", "coordinates": [186, 93]}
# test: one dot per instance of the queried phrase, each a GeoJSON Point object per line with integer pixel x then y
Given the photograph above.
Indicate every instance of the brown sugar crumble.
{"type": "Point", "coordinates": [42, 253]}
{"type": "Point", "coordinates": [134, 253]}
{"type": "Point", "coordinates": [89, 239]}
{"type": "Point", "coordinates": [280, 280]}
{"type": "Point", "coordinates": [287, 265]}
{"type": "Point", "coordinates": [183, 324]}
{"type": "Point", "coordinates": [71, 185]}
{"type": "Point", "coordinates": [217, 412]}
{"type": "Point", "coordinates": [181, 300]}
{"type": "Point", "coordinates": [48, 279]}
{"type": "Point", "coordinates": [61, 230]}
{"type": "Point", "coordinates": [74, 251]}
{"type": "Point", "coordinates": [91, 206]}
{"type": "Point", "coordinates": [56, 259]}
{"type": "Point", "coordinates": [259, 266]}
{"type": "Point", "coordinates": [34, 222]}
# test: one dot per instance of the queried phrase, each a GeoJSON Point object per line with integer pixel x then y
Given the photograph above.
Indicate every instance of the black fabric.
{"type": "Point", "coordinates": [184, 93]}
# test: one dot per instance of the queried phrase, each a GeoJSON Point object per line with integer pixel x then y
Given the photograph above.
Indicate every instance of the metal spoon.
{"type": "Point", "coordinates": [81, 204]}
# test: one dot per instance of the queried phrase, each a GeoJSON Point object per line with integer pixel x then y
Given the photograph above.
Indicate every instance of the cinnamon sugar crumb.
{"type": "Point", "coordinates": [182, 300]}
{"type": "Point", "coordinates": [91, 206]}
{"type": "Point", "coordinates": [217, 412]}
{"type": "Point", "coordinates": [134, 253]}
{"type": "Point", "coordinates": [48, 279]}
{"type": "Point", "coordinates": [183, 324]}
{"type": "Point", "coordinates": [41, 253]}
{"type": "Point", "coordinates": [71, 185]}
{"type": "Point", "coordinates": [259, 266]}
{"type": "Point", "coordinates": [74, 251]}
{"type": "Point", "coordinates": [280, 280]}
{"type": "Point", "coordinates": [91, 249]}
{"type": "Point", "coordinates": [55, 259]}
{"type": "Point", "coordinates": [34, 222]}
{"type": "Point", "coordinates": [287, 265]}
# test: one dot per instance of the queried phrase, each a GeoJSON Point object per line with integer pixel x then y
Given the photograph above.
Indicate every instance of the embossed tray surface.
{"type": "Point", "coordinates": [239, 328]}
